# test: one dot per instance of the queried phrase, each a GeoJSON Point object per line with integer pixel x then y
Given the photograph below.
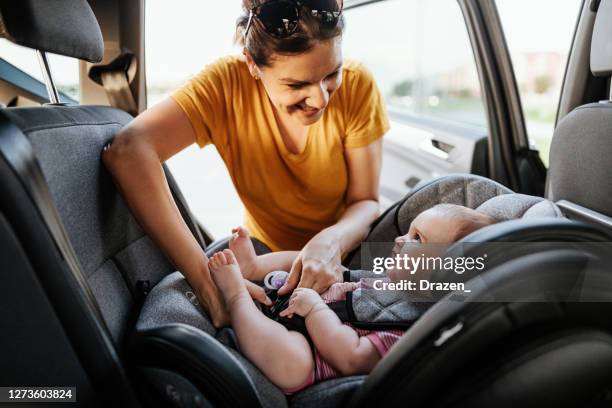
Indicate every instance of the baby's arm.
{"type": "Point", "coordinates": [337, 343]}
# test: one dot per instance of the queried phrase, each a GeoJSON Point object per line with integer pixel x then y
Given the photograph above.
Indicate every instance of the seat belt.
{"type": "Point", "coordinates": [116, 77]}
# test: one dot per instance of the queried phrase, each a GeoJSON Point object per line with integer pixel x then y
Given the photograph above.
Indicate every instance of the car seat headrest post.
{"type": "Point", "coordinates": [48, 77]}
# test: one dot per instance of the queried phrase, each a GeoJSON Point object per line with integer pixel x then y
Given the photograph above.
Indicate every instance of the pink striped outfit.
{"type": "Point", "coordinates": [381, 339]}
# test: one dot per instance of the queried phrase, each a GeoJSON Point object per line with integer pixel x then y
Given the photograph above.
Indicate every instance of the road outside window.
{"type": "Point", "coordinates": [420, 54]}
{"type": "Point", "coordinates": [539, 48]}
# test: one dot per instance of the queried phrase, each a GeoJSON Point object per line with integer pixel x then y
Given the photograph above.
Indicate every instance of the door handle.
{"type": "Point", "coordinates": [437, 148]}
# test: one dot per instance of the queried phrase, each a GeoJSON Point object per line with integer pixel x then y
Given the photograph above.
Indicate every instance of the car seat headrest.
{"type": "Point", "coordinates": [601, 44]}
{"type": "Point", "coordinates": [512, 206]}
{"type": "Point", "coordinates": [580, 154]}
{"type": "Point", "coordinates": [66, 27]}
{"type": "Point", "coordinates": [462, 189]}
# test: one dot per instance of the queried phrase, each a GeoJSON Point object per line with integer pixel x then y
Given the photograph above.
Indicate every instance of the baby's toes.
{"type": "Point", "coordinates": [221, 258]}
{"type": "Point", "coordinates": [229, 255]}
{"type": "Point", "coordinates": [242, 232]}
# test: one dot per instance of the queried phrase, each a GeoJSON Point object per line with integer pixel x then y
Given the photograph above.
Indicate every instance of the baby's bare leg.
{"type": "Point", "coordinates": [283, 356]}
{"type": "Point", "coordinates": [253, 267]}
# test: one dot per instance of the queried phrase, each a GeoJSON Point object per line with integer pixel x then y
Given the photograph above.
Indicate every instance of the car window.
{"type": "Point", "coordinates": [420, 56]}
{"type": "Point", "coordinates": [65, 70]}
{"type": "Point", "coordinates": [179, 42]}
{"type": "Point", "coordinates": [539, 49]}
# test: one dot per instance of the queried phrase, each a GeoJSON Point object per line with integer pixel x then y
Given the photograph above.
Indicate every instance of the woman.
{"type": "Point", "coordinates": [303, 152]}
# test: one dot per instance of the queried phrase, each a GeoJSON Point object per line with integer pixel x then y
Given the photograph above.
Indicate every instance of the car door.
{"type": "Point", "coordinates": [446, 74]}
{"type": "Point", "coordinates": [521, 54]}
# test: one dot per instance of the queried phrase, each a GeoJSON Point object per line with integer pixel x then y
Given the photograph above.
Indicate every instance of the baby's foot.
{"type": "Point", "coordinates": [243, 249]}
{"type": "Point", "coordinates": [226, 274]}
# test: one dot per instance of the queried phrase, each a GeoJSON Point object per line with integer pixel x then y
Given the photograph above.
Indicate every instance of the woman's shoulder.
{"type": "Point", "coordinates": [226, 68]}
{"type": "Point", "coordinates": [356, 79]}
{"type": "Point", "coordinates": [356, 71]}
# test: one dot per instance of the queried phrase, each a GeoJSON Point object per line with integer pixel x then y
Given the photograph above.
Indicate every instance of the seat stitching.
{"type": "Point", "coordinates": [63, 125]}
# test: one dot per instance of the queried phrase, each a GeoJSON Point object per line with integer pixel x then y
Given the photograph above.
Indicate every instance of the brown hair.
{"type": "Point", "coordinates": [262, 45]}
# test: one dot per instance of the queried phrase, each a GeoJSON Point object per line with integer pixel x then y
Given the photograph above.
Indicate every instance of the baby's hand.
{"type": "Point", "coordinates": [302, 302]}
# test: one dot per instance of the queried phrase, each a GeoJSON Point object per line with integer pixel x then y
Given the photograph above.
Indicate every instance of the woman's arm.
{"type": "Point", "coordinates": [318, 265]}
{"type": "Point", "coordinates": [135, 161]}
{"type": "Point", "coordinates": [338, 344]}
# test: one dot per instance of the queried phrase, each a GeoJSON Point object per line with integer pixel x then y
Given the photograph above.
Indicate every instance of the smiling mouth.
{"type": "Point", "coordinates": [307, 109]}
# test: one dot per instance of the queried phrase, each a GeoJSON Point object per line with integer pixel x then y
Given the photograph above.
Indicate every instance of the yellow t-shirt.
{"type": "Point", "coordinates": [288, 197]}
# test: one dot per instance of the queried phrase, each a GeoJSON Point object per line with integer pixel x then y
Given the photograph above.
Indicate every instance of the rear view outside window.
{"type": "Point", "coordinates": [421, 57]}
{"type": "Point", "coordinates": [65, 70]}
{"type": "Point", "coordinates": [539, 49]}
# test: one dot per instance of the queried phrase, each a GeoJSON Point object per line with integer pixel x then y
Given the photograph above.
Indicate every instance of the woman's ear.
{"type": "Point", "coordinates": [253, 68]}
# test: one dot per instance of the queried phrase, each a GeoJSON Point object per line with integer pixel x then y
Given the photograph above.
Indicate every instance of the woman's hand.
{"type": "Point", "coordinates": [318, 266]}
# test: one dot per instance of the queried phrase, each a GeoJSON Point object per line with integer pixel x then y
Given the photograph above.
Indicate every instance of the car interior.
{"type": "Point", "coordinates": [89, 301]}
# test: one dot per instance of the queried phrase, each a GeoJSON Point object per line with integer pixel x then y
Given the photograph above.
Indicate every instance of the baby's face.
{"type": "Point", "coordinates": [430, 227]}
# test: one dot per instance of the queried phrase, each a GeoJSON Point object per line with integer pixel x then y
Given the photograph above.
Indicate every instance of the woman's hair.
{"type": "Point", "coordinates": [261, 45]}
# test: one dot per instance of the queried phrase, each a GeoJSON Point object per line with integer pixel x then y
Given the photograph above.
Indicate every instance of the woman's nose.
{"type": "Point", "coordinates": [319, 97]}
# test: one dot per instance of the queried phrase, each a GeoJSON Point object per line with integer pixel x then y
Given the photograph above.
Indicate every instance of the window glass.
{"type": "Point", "coordinates": [65, 70]}
{"type": "Point", "coordinates": [539, 48]}
{"type": "Point", "coordinates": [421, 57]}
{"type": "Point", "coordinates": [181, 38]}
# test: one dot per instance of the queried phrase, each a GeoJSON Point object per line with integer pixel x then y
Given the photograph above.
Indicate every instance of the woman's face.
{"type": "Point", "coordinates": [300, 86]}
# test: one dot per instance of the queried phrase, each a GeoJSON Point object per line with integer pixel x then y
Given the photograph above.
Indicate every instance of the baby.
{"type": "Point", "coordinates": [285, 356]}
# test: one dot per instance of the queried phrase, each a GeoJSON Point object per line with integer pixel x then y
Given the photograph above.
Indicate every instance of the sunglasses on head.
{"type": "Point", "coordinates": [280, 18]}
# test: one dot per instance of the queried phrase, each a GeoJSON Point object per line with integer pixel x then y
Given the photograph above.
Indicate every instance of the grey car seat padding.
{"type": "Point", "coordinates": [114, 253]}
{"type": "Point", "coordinates": [371, 308]}
{"type": "Point", "coordinates": [601, 52]}
{"type": "Point", "coordinates": [462, 189]}
{"type": "Point", "coordinates": [111, 255]}
{"type": "Point", "coordinates": [31, 207]}
{"type": "Point", "coordinates": [65, 27]}
{"type": "Point", "coordinates": [581, 153]}
{"type": "Point", "coordinates": [173, 302]}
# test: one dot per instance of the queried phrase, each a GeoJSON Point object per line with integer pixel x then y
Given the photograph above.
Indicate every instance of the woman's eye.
{"type": "Point", "coordinates": [296, 86]}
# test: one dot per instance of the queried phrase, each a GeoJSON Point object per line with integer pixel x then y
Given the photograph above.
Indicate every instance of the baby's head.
{"type": "Point", "coordinates": [445, 224]}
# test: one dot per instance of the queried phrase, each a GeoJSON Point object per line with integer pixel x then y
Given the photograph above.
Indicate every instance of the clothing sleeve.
{"type": "Point", "coordinates": [383, 340]}
{"type": "Point", "coordinates": [204, 102]}
{"type": "Point", "coordinates": [366, 116]}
